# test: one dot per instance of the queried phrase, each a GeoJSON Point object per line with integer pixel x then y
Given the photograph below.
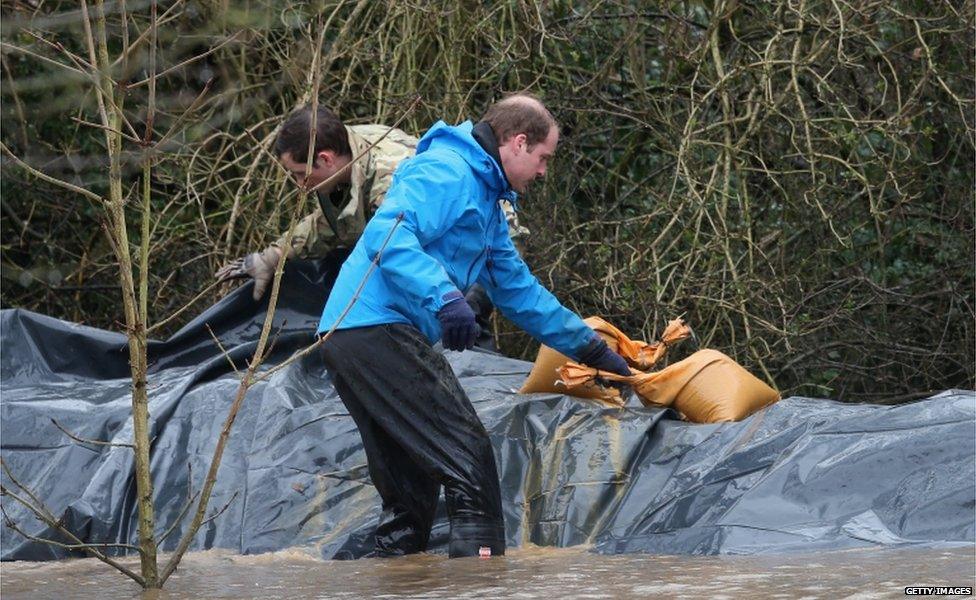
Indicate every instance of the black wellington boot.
{"type": "Point", "coordinates": [472, 536]}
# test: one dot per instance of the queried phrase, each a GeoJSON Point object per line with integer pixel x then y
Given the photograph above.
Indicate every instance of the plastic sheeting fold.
{"type": "Point", "coordinates": [802, 474]}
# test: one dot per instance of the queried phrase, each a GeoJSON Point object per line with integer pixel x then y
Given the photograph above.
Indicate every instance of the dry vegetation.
{"type": "Point", "coordinates": [795, 178]}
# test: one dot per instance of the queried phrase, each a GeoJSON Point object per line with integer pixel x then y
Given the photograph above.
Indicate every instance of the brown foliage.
{"type": "Point", "coordinates": [795, 178]}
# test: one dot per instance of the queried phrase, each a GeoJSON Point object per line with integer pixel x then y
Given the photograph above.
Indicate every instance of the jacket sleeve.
{"type": "Point", "coordinates": [521, 298]}
{"type": "Point", "coordinates": [429, 194]}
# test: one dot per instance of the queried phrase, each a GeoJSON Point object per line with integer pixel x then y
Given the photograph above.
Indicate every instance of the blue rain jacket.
{"type": "Point", "coordinates": [451, 234]}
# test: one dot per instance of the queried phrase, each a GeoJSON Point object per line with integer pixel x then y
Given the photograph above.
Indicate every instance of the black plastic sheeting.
{"type": "Point", "coordinates": [801, 475]}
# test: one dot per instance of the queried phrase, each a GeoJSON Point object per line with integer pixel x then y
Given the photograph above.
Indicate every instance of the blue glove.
{"type": "Point", "coordinates": [459, 330]}
{"type": "Point", "coordinates": [597, 354]}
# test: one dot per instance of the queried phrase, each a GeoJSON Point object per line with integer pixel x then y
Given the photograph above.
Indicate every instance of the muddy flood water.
{"type": "Point", "coordinates": [525, 573]}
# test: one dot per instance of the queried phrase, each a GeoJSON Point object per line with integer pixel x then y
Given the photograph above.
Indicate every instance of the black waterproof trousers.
{"type": "Point", "coordinates": [420, 432]}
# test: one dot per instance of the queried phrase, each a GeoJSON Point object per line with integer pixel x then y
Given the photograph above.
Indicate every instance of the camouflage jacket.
{"type": "Point", "coordinates": [351, 206]}
{"type": "Point", "coordinates": [317, 234]}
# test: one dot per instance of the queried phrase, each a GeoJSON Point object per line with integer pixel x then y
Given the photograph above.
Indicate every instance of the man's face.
{"type": "Point", "coordinates": [523, 165]}
{"type": "Point", "coordinates": [325, 166]}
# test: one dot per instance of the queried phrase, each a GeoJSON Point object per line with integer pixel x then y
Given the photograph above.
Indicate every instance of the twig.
{"type": "Point", "coordinates": [180, 311]}
{"type": "Point", "coordinates": [87, 441]}
{"type": "Point", "coordinates": [179, 518]}
{"type": "Point", "coordinates": [84, 546]}
{"type": "Point", "coordinates": [221, 511]}
{"type": "Point", "coordinates": [186, 113]}
{"type": "Point", "coordinates": [90, 195]}
{"type": "Point", "coordinates": [222, 350]}
{"type": "Point", "coordinates": [80, 63]}
{"type": "Point", "coordinates": [12, 48]}
{"type": "Point", "coordinates": [274, 341]}
{"type": "Point", "coordinates": [131, 138]}
{"type": "Point", "coordinates": [44, 515]}
{"type": "Point", "coordinates": [134, 45]}
{"type": "Point", "coordinates": [189, 61]}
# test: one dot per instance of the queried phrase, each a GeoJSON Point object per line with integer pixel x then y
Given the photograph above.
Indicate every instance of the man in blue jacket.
{"type": "Point", "coordinates": [439, 231]}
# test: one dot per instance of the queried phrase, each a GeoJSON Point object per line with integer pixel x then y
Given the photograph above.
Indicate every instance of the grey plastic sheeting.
{"type": "Point", "coordinates": [802, 475]}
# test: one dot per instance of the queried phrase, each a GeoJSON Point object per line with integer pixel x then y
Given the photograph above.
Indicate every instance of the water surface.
{"type": "Point", "coordinates": [525, 573]}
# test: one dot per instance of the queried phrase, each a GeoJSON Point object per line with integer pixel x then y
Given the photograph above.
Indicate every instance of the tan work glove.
{"type": "Point", "coordinates": [259, 266]}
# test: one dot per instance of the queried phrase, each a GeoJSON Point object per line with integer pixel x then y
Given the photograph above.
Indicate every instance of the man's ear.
{"type": "Point", "coordinates": [518, 142]}
{"type": "Point", "coordinates": [325, 158]}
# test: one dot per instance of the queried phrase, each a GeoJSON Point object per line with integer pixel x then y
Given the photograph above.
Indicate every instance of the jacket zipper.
{"type": "Point", "coordinates": [488, 263]}
{"type": "Point", "coordinates": [473, 263]}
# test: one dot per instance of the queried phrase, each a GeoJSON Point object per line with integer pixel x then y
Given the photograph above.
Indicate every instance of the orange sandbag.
{"type": "Point", "coordinates": [544, 376]}
{"type": "Point", "coordinates": [706, 387]}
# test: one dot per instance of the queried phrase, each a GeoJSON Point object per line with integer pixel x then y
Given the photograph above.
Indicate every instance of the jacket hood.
{"type": "Point", "coordinates": [459, 140]}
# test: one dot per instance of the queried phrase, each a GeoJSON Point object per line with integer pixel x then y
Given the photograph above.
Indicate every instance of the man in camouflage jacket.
{"type": "Point", "coordinates": [346, 204]}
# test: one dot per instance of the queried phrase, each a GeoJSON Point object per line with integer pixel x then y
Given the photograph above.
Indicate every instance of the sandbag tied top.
{"type": "Point", "coordinates": [706, 387]}
{"type": "Point", "coordinates": [638, 354]}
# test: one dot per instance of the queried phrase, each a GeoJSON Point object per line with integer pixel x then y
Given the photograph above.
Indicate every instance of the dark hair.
{"type": "Point", "coordinates": [330, 134]}
{"type": "Point", "coordinates": [520, 113]}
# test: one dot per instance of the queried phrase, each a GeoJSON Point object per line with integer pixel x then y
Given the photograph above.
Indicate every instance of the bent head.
{"type": "Point", "coordinates": [527, 137]}
{"type": "Point", "coordinates": [331, 154]}
{"type": "Point", "coordinates": [325, 164]}
{"type": "Point", "coordinates": [524, 162]}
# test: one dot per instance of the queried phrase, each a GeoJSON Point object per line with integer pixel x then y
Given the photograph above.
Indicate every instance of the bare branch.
{"type": "Point", "coordinates": [178, 520]}
{"type": "Point", "coordinates": [189, 61]}
{"type": "Point", "coordinates": [87, 441]}
{"type": "Point", "coordinates": [58, 182]}
{"type": "Point", "coordinates": [182, 309]}
{"type": "Point", "coordinates": [12, 525]}
{"type": "Point", "coordinates": [44, 515]}
{"type": "Point", "coordinates": [223, 351]}
{"type": "Point", "coordinates": [219, 512]}
{"type": "Point", "coordinates": [11, 48]}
